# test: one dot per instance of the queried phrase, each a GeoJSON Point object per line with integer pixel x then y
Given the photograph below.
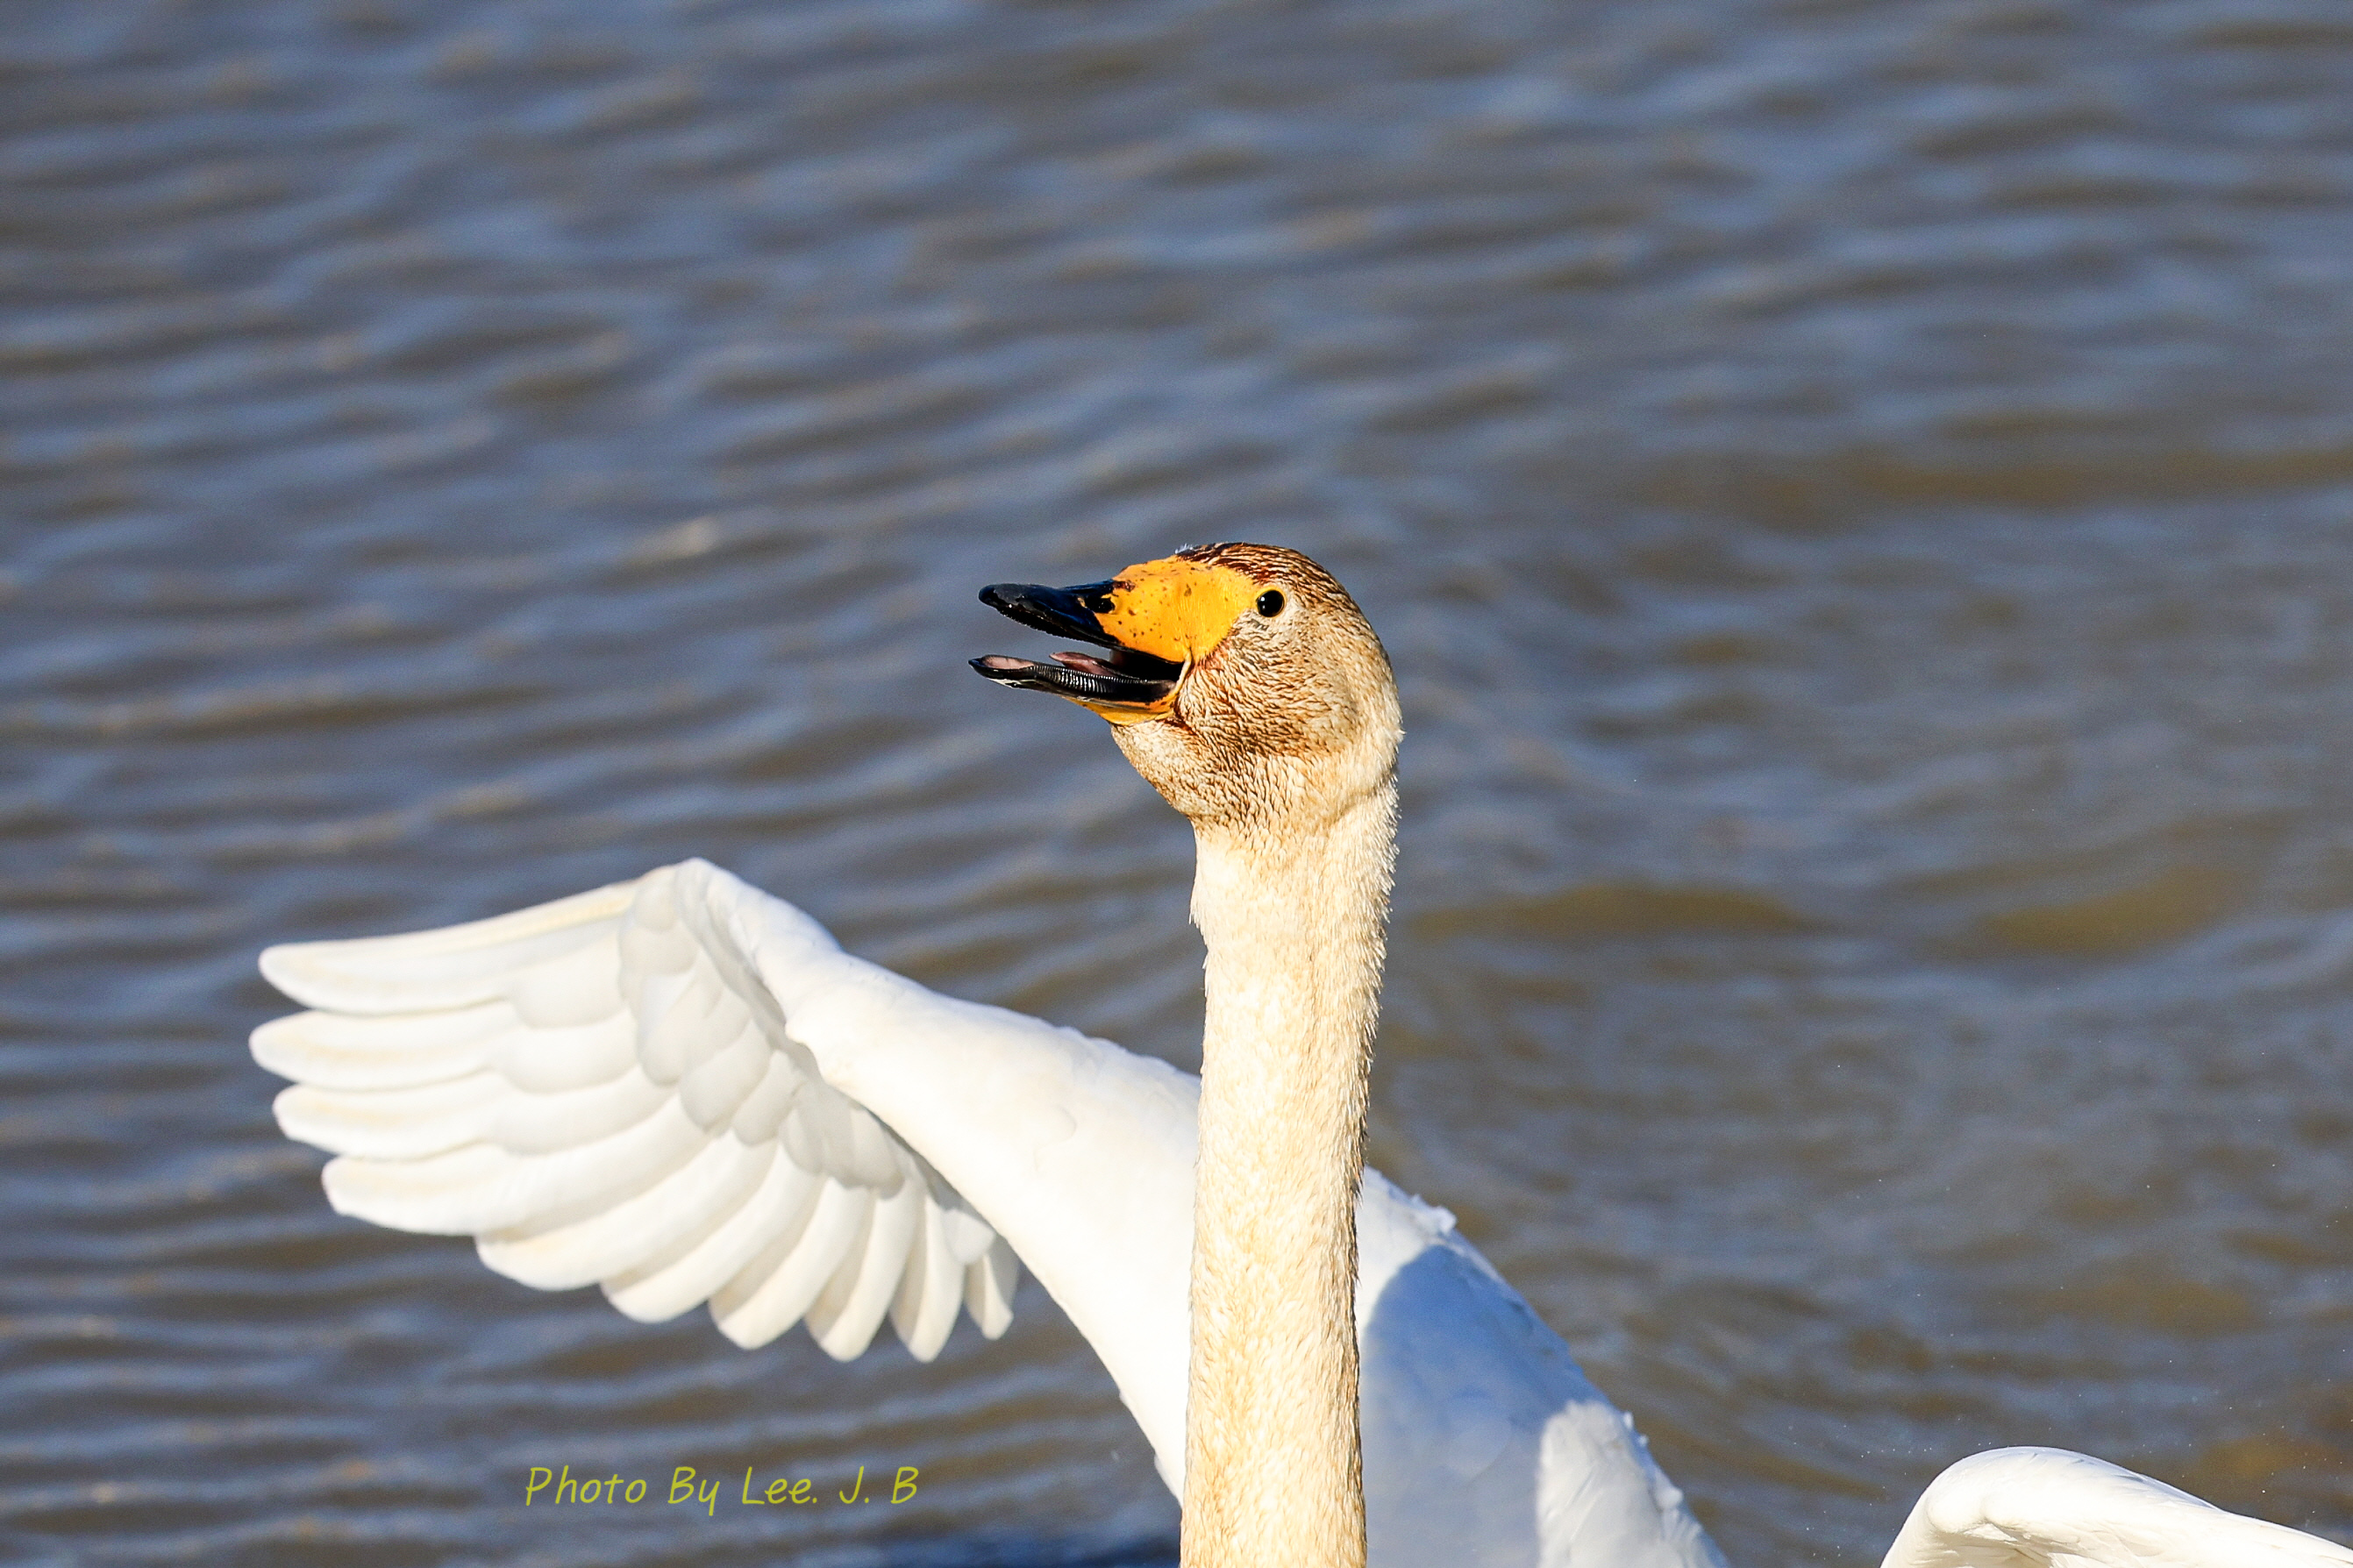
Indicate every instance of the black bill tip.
{"type": "Point", "coordinates": [1022, 674]}
{"type": "Point", "coordinates": [1065, 612]}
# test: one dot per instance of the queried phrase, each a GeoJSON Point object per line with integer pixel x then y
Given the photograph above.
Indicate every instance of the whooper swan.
{"type": "Point", "coordinates": [679, 1089]}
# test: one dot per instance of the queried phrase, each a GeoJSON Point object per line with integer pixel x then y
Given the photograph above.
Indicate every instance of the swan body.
{"type": "Point", "coordinates": [681, 1089]}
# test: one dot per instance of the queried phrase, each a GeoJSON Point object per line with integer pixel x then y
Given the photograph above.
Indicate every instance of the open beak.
{"type": "Point", "coordinates": [1125, 687]}
{"type": "Point", "coordinates": [1160, 619]}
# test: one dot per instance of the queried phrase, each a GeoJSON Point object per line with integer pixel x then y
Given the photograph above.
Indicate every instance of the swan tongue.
{"type": "Point", "coordinates": [1087, 680]}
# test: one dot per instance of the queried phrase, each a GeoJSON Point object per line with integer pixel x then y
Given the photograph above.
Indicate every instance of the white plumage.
{"type": "Point", "coordinates": [2046, 1508]}
{"type": "Point", "coordinates": [681, 1089]}
{"type": "Point", "coordinates": [602, 1091]}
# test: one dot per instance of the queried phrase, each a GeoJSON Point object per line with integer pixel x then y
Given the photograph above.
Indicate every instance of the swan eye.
{"type": "Point", "coordinates": [1269, 604]}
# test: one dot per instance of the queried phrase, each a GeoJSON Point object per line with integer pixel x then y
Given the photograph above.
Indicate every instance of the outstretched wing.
{"type": "Point", "coordinates": [606, 1090]}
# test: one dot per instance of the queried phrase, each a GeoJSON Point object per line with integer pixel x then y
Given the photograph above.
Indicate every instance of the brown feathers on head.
{"type": "Point", "coordinates": [1292, 707]}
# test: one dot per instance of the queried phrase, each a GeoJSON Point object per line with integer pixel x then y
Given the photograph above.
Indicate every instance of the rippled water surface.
{"type": "Point", "coordinates": [1857, 495]}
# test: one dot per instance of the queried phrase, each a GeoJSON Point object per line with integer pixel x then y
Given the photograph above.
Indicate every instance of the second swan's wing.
{"type": "Point", "coordinates": [2048, 1508]}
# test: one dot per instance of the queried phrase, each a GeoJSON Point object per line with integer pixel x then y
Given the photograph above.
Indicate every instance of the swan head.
{"type": "Point", "coordinates": [1241, 680]}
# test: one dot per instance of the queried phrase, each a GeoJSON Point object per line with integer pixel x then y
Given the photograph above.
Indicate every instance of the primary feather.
{"type": "Point", "coordinates": [604, 1091]}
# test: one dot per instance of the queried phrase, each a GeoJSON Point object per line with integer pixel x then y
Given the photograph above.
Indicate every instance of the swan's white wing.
{"type": "Point", "coordinates": [606, 1089]}
{"type": "Point", "coordinates": [1483, 1442]}
{"type": "Point", "coordinates": [2046, 1508]}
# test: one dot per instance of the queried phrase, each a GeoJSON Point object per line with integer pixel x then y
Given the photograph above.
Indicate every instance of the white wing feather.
{"type": "Point", "coordinates": [606, 1090]}
{"type": "Point", "coordinates": [2048, 1508]}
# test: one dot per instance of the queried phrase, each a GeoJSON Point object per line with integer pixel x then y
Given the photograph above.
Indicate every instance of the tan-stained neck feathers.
{"type": "Point", "coordinates": [1280, 749]}
{"type": "Point", "coordinates": [1293, 921]}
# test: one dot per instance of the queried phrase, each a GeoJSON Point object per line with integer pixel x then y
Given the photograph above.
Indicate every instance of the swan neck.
{"type": "Point", "coordinates": [1293, 914]}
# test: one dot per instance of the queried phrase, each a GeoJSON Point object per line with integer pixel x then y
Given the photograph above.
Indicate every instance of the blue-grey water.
{"type": "Point", "coordinates": [1860, 497]}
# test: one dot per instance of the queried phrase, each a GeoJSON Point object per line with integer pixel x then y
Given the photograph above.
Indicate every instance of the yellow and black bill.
{"type": "Point", "coordinates": [1125, 685]}
{"type": "Point", "coordinates": [1159, 618]}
